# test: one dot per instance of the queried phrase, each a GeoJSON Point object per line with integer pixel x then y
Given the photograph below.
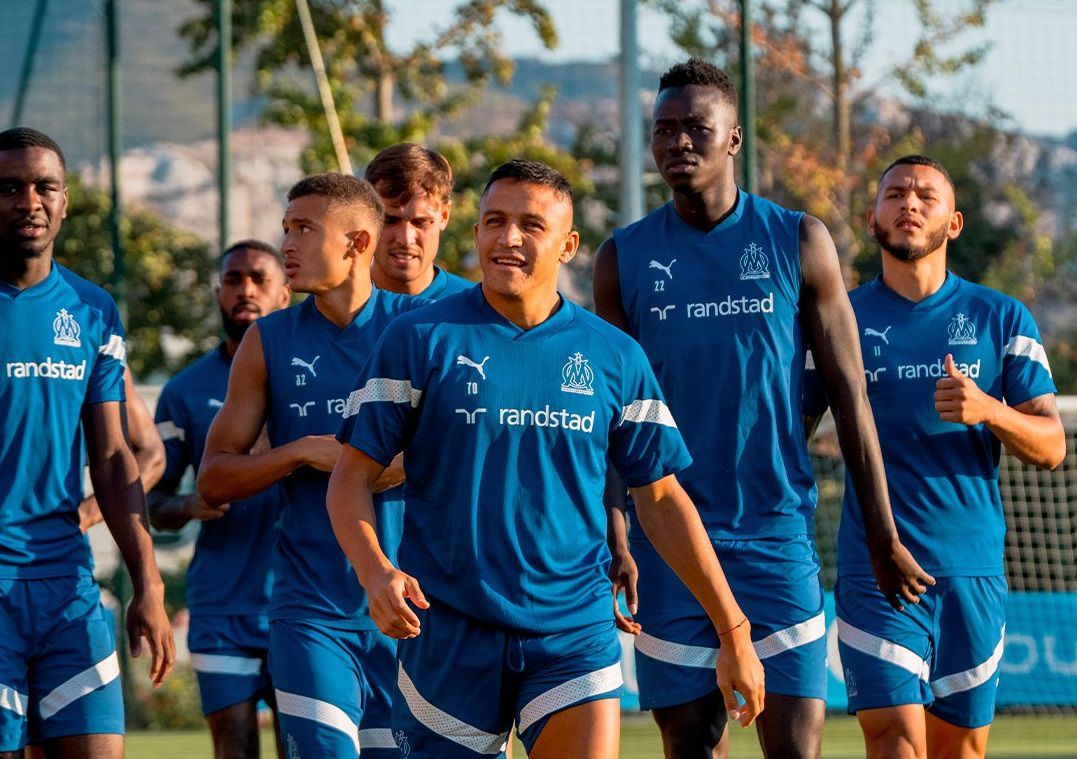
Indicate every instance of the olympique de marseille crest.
{"type": "Point", "coordinates": [577, 376]}
{"type": "Point", "coordinates": [66, 330]}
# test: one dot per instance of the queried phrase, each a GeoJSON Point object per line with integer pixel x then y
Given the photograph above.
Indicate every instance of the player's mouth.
{"type": "Point", "coordinates": [908, 224]}
{"type": "Point", "coordinates": [680, 165]}
{"type": "Point", "coordinates": [509, 262]}
{"type": "Point", "coordinates": [246, 312]}
{"type": "Point", "coordinates": [403, 258]}
{"type": "Point", "coordinates": [30, 229]}
{"type": "Point", "coordinates": [290, 268]}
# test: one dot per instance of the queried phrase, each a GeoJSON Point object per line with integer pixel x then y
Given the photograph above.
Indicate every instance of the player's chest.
{"type": "Point", "coordinates": [311, 382]}
{"type": "Point", "coordinates": [51, 347]}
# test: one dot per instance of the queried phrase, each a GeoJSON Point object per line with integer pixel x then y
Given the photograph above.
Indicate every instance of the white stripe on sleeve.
{"type": "Point", "coordinates": [382, 389]}
{"type": "Point", "coordinates": [1030, 348]}
{"type": "Point", "coordinates": [648, 410]}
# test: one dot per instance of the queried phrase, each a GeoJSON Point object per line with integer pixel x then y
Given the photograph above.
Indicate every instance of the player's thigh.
{"type": "Point", "coordinates": [791, 726]}
{"type": "Point", "coordinates": [75, 674]}
{"type": "Point", "coordinates": [454, 696]}
{"type": "Point", "coordinates": [100, 746]}
{"type": "Point", "coordinates": [317, 688]}
{"type": "Point", "coordinates": [564, 670]}
{"type": "Point", "coordinates": [591, 730]}
{"type": "Point", "coordinates": [885, 653]}
{"type": "Point", "coordinates": [235, 730]}
{"type": "Point", "coordinates": [894, 732]}
{"type": "Point", "coordinates": [970, 631]}
{"type": "Point", "coordinates": [229, 654]}
{"type": "Point", "coordinates": [16, 638]}
{"type": "Point", "coordinates": [694, 729]}
{"type": "Point", "coordinates": [946, 741]}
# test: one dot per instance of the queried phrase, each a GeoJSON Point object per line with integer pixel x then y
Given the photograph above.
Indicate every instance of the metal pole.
{"type": "Point", "coordinates": [747, 98]}
{"type": "Point", "coordinates": [224, 119]}
{"type": "Point", "coordinates": [324, 91]}
{"type": "Point", "coordinates": [28, 61]}
{"type": "Point", "coordinates": [631, 118]}
{"type": "Point", "coordinates": [115, 150]}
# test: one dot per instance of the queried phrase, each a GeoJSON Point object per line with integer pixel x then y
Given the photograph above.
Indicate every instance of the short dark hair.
{"type": "Point", "coordinates": [701, 73]}
{"type": "Point", "coordinates": [531, 172]}
{"type": "Point", "coordinates": [250, 244]}
{"type": "Point", "coordinates": [25, 137]}
{"type": "Point", "coordinates": [402, 171]}
{"type": "Point", "coordinates": [344, 189]}
{"type": "Point", "coordinates": [920, 160]}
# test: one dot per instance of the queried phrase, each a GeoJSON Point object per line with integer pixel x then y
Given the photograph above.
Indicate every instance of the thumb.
{"type": "Point", "coordinates": [732, 707]}
{"type": "Point", "coordinates": [951, 368]}
{"type": "Point", "coordinates": [631, 599]}
{"type": "Point", "coordinates": [413, 592]}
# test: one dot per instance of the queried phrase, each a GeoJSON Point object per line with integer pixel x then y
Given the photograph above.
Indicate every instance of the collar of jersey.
{"type": "Point", "coordinates": [937, 298]}
{"type": "Point", "coordinates": [437, 284]}
{"type": "Point", "coordinates": [40, 290]}
{"type": "Point", "coordinates": [724, 224]}
{"type": "Point", "coordinates": [555, 323]}
{"type": "Point", "coordinates": [318, 320]}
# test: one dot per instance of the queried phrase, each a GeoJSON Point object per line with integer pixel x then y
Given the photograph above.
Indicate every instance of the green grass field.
{"type": "Point", "coordinates": [1011, 738]}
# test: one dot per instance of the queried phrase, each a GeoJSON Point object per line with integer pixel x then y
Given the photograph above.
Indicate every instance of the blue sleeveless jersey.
{"type": "Point", "coordinates": [717, 314]}
{"type": "Point", "coordinates": [63, 348]}
{"type": "Point", "coordinates": [312, 365]}
{"type": "Point", "coordinates": [445, 284]}
{"type": "Point", "coordinates": [942, 476]}
{"type": "Point", "coordinates": [231, 569]}
{"type": "Point", "coordinates": [505, 434]}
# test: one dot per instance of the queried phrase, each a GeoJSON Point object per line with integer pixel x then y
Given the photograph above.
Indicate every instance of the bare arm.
{"type": "Point", "coordinates": [672, 523]}
{"type": "Point", "coordinates": [351, 511]}
{"type": "Point", "coordinates": [123, 506]}
{"type": "Point", "coordinates": [230, 470]}
{"type": "Point", "coordinates": [1032, 431]}
{"type": "Point", "coordinates": [831, 330]}
{"type": "Point", "coordinates": [145, 443]}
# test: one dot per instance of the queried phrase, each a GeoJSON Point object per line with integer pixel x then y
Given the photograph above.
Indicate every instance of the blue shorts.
{"type": "Point", "coordinates": [333, 689]}
{"type": "Point", "coordinates": [463, 683]}
{"type": "Point", "coordinates": [229, 654]}
{"type": "Point", "coordinates": [59, 674]}
{"type": "Point", "coordinates": [943, 652]}
{"type": "Point", "coordinates": [776, 584]}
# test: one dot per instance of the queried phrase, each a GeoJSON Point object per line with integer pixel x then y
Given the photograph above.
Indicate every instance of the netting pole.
{"type": "Point", "coordinates": [747, 97]}
{"type": "Point", "coordinates": [325, 92]}
{"type": "Point", "coordinates": [28, 61]}
{"type": "Point", "coordinates": [115, 149]}
{"type": "Point", "coordinates": [224, 118]}
{"type": "Point", "coordinates": [631, 118]}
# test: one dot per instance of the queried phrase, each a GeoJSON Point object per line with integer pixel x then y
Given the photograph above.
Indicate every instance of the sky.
{"type": "Point", "coordinates": [1030, 71]}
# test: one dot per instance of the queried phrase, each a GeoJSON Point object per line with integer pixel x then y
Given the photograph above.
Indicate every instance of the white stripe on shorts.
{"type": "Point", "coordinates": [82, 684]}
{"type": "Point", "coordinates": [322, 712]}
{"type": "Point", "coordinates": [791, 637]}
{"type": "Point", "coordinates": [12, 700]}
{"type": "Point", "coordinates": [959, 682]}
{"type": "Point", "coordinates": [881, 648]}
{"type": "Point", "coordinates": [676, 653]}
{"type": "Point", "coordinates": [446, 725]}
{"type": "Point", "coordinates": [377, 737]}
{"type": "Point", "coordinates": [223, 664]}
{"type": "Point", "coordinates": [572, 692]}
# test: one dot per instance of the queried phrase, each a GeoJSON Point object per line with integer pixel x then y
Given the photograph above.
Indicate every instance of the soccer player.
{"type": "Point", "coordinates": [332, 670]}
{"type": "Point", "coordinates": [63, 350]}
{"type": "Point", "coordinates": [229, 579]}
{"type": "Point", "coordinates": [954, 370]}
{"type": "Point", "coordinates": [504, 527]}
{"type": "Point", "coordinates": [415, 184]}
{"type": "Point", "coordinates": [724, 290]}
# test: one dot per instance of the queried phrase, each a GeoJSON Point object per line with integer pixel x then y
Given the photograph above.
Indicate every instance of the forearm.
{"type": "Point", "coordinates": [123, 508]}
{"type": "Point", "coordinates": [674, 528]}
{"type": "Point", "coordinates": [613, 499]}
{"type": "Point", "coordinates": [1036, 440]}
{"type": "Point", "coordinates": [224, 477]}
{"type": "Point", "coordinates": [351, 512]}
{"type": "Point", "coordinates": [392, 476]}
{"type": "Point", "coordinates": [150, 460]}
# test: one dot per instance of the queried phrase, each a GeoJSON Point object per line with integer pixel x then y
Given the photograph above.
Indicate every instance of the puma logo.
{"type": "Point", "coordinates": [465, 361]}
{"type": "Point", "coordinates": [296, 361]}
{"type": "Point", "coordinates": [665, 268]}
{"type": "Point", "coordinates": [869, 332]}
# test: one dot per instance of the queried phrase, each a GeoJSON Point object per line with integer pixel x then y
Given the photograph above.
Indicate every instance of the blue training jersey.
{"type": "Point", "coordinates": [63, 348]}
{"type": "Point", "coordinates": [718, 316]}
{"type": "Point", "coordinates": [231, 569]}
{"type": "Point", "coordinates": [505, 434]}
{"type": "Point", "coordinates": [444, 284]}
{"type": "Point", "coordinates": [942, 476]}
{"type": "Point", "coordinates": [312, 365]}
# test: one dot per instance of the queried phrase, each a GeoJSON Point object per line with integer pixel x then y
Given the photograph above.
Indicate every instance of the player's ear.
{"type": "Point", "coordinates": [569, 247]}
{"type": "Point", "coordinates": [957, 223]}
{"type": "Point", "coordinates": [871, 221]}
{"type": "Point", "coordinates": [736, 140]}
{"type": "Point", "coordinates": [444, 214]}
{"type": "Point", "coordinates": [359, 243]}
{"type": "Point", "coordinates": [63, 214]}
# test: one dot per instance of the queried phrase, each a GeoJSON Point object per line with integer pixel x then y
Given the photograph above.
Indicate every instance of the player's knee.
{"type": "Point", "coordinates": [235, 732]}
{"type": "Point", "coordinates": [692, 730]}
{"type": "Point", "coordinates": [892, 739]}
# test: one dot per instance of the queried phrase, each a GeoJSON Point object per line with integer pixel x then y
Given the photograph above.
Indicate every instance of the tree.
{"type": "Point", "coordinates": [168, 279]}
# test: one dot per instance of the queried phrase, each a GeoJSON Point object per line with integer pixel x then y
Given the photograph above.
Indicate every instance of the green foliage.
{"type": "Point", "coordinates": [168, 277]}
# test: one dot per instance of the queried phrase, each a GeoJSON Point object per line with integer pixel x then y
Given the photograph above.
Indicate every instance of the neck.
{"type": "Point", "coordinates": [915, 280]}
{"type": "Point", "coordinates": [230, 347]}
{"type": "Point", "coordinates": [384, 282]}
{"type": "Point", "coordinates": [524, 313]}
{"type": "Point", "coordinates": [340, 304]}
{"type": "Point", "coordinates": [24, 272]}
{"type": "Point", "coordinates": [705, 210]}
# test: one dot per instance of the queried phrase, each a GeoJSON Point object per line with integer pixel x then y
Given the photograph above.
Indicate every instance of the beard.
{"type": "Point", "coordinates": [234, 329]}
{"type": "Point", "coordinates": [907, 253]}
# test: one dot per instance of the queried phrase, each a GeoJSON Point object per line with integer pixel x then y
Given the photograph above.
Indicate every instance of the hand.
{"type": "Point", "coordinates": [740, 670]}
{"type": "Point", "coordinates": [146, 617]}
{"type": "Point", "coordinates": [195, 508]}
{"type": "Point", "coordinates": [89, 513]}
{"type": "Point", "coordinates": [320, 451]}
{"type": "Point", "coordinates": [388, 596]}
{"type": "Point", "coordinates": [958, 399]}
{"type": "Point", "coordinates": [897, 574]}
{"type": "Point", "coordinates": [624, 574]}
